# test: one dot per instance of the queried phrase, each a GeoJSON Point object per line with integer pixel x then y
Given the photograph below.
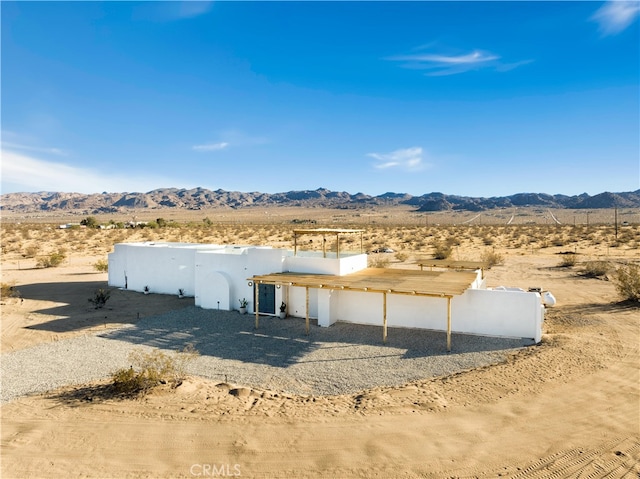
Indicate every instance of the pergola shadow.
{"type": "Point", "coordinates": [281, 343]}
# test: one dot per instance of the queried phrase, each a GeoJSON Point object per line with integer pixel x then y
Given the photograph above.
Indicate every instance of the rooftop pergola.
{"type": "Point", "coordinates": [438, 284]}
{"type": "Point", "coordinates": [324, 232]}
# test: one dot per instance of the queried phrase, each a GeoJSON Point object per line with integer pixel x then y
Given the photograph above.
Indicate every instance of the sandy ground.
{"type": "Point", "coordinates": [569, 407]}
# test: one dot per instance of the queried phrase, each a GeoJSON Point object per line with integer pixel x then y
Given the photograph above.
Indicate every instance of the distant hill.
{"type": "Point", "coordinates": [199, 198]}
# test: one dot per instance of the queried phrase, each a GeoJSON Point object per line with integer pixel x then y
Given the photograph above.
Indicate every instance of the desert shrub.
{"type": "Point", "coordinates": [101, 265]}
{"type": "Point", "coordinates": [492, 258]}
{"type": "Point", "coordinates": [568, 260]}
{"type": "Point", "coordinates": [30, 251]}
{"type": "Point", "coordinates": [441, 250]}
{"type": "Point", "coordinates": [488, 240]}
{"type": "Point", "coordinates": [90, 222]}
{"type": "Point", "coordinates": [9, 291]}
{"type": "Point", "coordinates": [595, 269]}
{"type": "Point", "coordinates": [627, 282]}
{"type": "Point", "coordinates": [148, 369]}
{"type": "Point", "coordinates": [100, 297]}
{"type": "Point", "coordinates": [378, 261]}
{"type": "Point", "coordinates": [401, 256]}
{"type": "Point", "coordinates": [51, 261]}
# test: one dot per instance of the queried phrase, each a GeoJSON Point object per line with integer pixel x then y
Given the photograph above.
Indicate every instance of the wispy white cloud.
{"type": "Point", "coordinates": [37, 149]}
{"type": "Point", "coordinates": [231, 138]}
{"type": "Point", "coordinates": [21, 172]}
{"type": "Point", "coordinates": [211, 146]}
{"type": "Point", "coordinates": [440, 64]}
{"type": "Point", "coordinates": [193, 8]}
{"type": "Point", "coordinates": [616, 15]}
{"type": "Point", "coordinates": [406, 158]}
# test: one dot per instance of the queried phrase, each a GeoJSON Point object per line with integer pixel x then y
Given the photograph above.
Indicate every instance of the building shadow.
{"type": "Point", "coordinates": [282, 343]}
{"type": "Point", "coordinates": [74, 312]}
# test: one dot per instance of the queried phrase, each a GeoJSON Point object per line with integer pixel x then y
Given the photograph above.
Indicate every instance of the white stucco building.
{"type": "Point", "coordinates": [327, 286]}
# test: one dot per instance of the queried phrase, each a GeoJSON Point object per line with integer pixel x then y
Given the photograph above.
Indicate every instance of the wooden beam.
{"type": "Point", "coordinates": [448, 324]}
{"type": "Point", "coordinates": [384, 317]}
{"type": "Point", "coordinates": [256, 302]}
{"type": "Point", "coordinates": [307, 310]}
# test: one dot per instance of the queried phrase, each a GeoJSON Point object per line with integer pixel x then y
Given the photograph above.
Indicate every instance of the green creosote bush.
{"type": "Point", "coordinates": [51, 261]}
{"type": "Point", "coordinates": [627, 282]}
{"type": "Point", "coordinates": [101, 265]}
{"type": "Point", "coordinates": [100, 298]}
{"type": "Point", "coordinates": [90, 222]}
{"type": "Point", "coordinates": [149, 369]}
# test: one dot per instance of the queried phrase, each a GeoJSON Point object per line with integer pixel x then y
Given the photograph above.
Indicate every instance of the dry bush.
{"type": "Point", "coordinates": [52, 261]}
{"type": "Point", "coordinates": [595, 269]}
{"type": "Point", "coordinates": [378, 261]}
{"type": "Point", "coordinates": [627, 282]}
{"type": "Point", "coordinates": [31, 251]}
{"type": "Point", "coordinates": [8, 291]}
{"type": "Point", "coordinates": [401, 256]}
{"type": "Point", "coordinates": [441, 250]}
{"type": "Point", "coordinates": [149, 369]}
{"type": "Point", "coordinates": [492, 258]}
{"type": "Point", "coordinates": [568, 260]}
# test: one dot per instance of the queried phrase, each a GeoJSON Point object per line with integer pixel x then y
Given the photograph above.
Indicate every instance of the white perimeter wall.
{"type": "Point", "coordinates": [477, 311]}
{"type": "Point", "coordinates": [163, 267]}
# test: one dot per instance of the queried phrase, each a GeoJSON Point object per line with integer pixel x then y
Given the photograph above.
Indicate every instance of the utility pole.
{"type": "Point", "coordinates": [616, 222]}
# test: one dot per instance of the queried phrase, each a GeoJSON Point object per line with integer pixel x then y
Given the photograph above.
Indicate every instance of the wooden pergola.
{"type": "Point", "coordinates": [324, 232]}
{"type": "Point", "coordinates": [438, 284]}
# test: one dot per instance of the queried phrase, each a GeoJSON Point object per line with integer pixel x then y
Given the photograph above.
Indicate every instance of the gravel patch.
{"type": "Point", "coordinates": [343, 358]}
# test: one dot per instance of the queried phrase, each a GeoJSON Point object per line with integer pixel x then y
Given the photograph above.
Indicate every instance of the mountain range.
{"type": "Point", "coordinates": [200, 198]}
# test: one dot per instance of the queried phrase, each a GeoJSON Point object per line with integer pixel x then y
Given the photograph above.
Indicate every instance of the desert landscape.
{"type": "Point", "coordinates": [566, 407]}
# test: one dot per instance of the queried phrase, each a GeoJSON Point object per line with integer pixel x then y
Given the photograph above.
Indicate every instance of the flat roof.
{"type": "Point", "coordinates": [380, 280]}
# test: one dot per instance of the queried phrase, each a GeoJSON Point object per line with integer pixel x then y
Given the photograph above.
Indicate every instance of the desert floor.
{"type": "Point", "coordinates": [568, 407]}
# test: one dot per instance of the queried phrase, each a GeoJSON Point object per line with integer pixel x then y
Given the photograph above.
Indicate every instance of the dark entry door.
{"type": "Point", "coordinates": [267, 298]}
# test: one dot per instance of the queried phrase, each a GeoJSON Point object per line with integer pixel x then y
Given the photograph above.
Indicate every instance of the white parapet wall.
{"type": "Point", "coordinates": [314, 262]}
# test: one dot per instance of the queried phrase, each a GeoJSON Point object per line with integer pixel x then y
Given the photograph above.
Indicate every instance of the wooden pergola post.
{"type": "Point", "coordinates": [307, 310]}
{"type": "Point", "coordinates": [384, 317]}
{"type": "Point", "coordinates": [256, 302]}
{"type": "Point", "coordinates": [448, 324]}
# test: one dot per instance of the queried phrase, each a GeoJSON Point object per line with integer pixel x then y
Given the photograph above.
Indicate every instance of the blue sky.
{"type": "Point", "coordinates": [469, 98]}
